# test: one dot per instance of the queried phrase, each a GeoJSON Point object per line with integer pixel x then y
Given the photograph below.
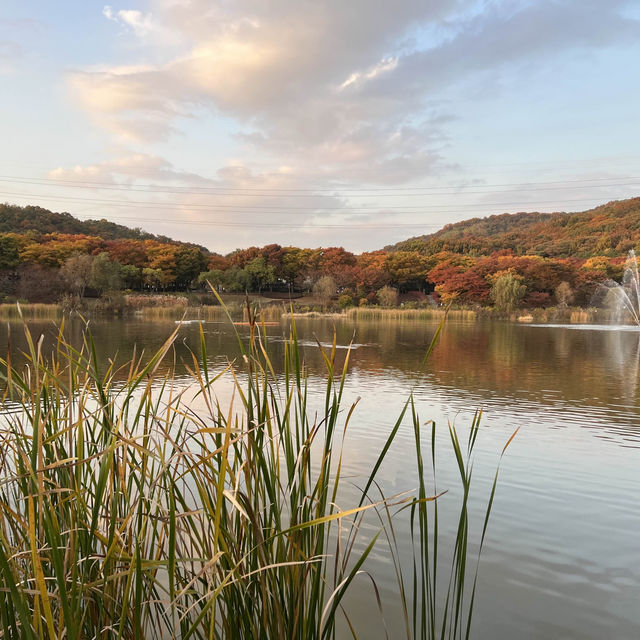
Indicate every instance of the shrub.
{"type": "Point", "coordinates": [345, 301]}
{"type": "Point", "coordinates": [388, 297]}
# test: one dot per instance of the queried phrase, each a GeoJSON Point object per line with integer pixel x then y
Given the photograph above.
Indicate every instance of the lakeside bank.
{"type": "Point", "coordinates": [178, 307]}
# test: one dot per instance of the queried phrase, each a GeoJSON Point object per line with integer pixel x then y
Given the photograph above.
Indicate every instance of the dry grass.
{"type": "Point", "coordinates": [374, 313]}
{"type": "Point", "coordinates": [30, 310]}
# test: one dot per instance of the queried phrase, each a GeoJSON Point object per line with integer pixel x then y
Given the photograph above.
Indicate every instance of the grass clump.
{"type": "Point", "coordinates": [131, 507]}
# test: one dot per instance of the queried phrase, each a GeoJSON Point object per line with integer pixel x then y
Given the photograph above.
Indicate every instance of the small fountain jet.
{"type": "Point", "coordinates": [626, 296]}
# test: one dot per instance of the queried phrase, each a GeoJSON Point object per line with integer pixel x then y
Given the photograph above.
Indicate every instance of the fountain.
{"type": "Point", "coordinates": [624, 298]}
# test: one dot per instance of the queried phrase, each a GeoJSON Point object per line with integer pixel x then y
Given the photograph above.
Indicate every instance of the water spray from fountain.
{"type": "Point", "coordinates": [624, 298]}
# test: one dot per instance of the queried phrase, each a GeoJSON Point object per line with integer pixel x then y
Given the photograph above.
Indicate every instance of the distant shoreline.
{"type": "Point", "coordinates": [272, 311]}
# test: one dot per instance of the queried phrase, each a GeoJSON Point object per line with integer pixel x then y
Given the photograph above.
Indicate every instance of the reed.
{"type": "Point", "coordinates": [378, 313]}
{"type": "Point", "coordinates": [30, 310]}
{"type": "Point", "coordinates": [131, 507]}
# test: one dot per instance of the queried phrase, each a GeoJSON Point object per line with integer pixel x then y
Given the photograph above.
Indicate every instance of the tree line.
{"type": "Point", "coordinates": [44, 266]}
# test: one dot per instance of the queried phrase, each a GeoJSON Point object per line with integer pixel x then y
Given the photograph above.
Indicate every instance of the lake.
{"type": "Point", "coordinates": [562, 555]}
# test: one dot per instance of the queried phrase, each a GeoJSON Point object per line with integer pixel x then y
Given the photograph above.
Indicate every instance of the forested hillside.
{"type": "Point", "coordinates": [15, 219]}
{"type": "Point", "coordinates": [609, 230]}
{"type": "Point", "coordinates": [525, 259]}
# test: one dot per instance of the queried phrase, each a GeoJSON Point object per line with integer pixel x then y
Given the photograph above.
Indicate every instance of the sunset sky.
{"type": "Point", "coordinates": [353, 122]}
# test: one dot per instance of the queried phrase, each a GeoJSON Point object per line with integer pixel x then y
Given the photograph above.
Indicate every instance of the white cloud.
{"type": "Point", "coordinates": [142, 24]}
{"type": "Point", "coordinates": [388, 64]}
{"type": "Point", "coordinates": [285, 71]}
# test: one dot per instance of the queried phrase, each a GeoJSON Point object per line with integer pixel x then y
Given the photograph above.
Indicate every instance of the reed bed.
{"type": "Point", "coordinates": [178, 311]}
{"type": "Point", "coordinates": [377, 313]}
{"type": "Point", "coordinates": [269, 313]}
{"type": "Point", "coordinates": [32, 311]}
{"type": "Point", "coordinates": [138, 509]}
{"type": "Point", "coordinates": [567, 315]}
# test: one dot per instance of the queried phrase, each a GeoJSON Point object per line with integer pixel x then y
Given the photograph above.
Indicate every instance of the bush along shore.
{"type": "Point", "coordinates": [129, 511]}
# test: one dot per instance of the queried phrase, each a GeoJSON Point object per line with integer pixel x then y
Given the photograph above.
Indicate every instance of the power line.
{"type": "Point", "coordinates": [276, 208]}
{"type": "Point", "coordinates": [293, 192]}
{"type": "Point", "coordinates": [277, 224]}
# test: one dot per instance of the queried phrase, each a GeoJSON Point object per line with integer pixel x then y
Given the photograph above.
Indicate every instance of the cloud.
{"type": "Point", "coordinates": [255, 62]}
{"type": "Point", "coordinates": [358, 93]}
{"type": "Point", "coordinates": [508, 35]}
{"type": "Point", "coordinates": [141, 24]}
{"type": "Point", "coordinates": [388, 64]}
{"type": "Point", "coordinates": [330, 84]}
{"type": "Point", "coordinates": [127, 170]}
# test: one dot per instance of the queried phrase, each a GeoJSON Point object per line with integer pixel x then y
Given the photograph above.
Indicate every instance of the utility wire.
{"type": "Point", "coordinates": [277, 208]}
{"type": "Point", "coordinates": [293, 192]}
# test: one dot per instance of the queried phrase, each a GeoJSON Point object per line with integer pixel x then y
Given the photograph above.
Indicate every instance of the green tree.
{"type": "Point", "coordinates": [213, 276]}
{"type": "Point", "coordinates": [105, 273]}
{"type": "Point", "coordinates": [262, 274]}
{"type": "Point", "coordinates": [507, 290]}
{"type": "Point", "coordinates": [237, 280]}
{"type": "Point", "coordinates": [295, 264]}
{"type": "Point", "coordinates": [190, 262]}
{"type": "Point", "coordinates": [131, 276]}
{"type": "Point", "coordinates": [152, 278]}
{"type": "Point", "coordinates": [9, 252]}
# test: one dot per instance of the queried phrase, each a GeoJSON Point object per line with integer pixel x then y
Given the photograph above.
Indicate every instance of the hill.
{"type": "Point", "coordinates": [15, 219]}
{"type": "Point", "coordinates": [608, 230]}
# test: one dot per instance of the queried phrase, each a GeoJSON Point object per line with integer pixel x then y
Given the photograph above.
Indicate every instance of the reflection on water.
{"type": "Point", "coordinates": [562, 556]}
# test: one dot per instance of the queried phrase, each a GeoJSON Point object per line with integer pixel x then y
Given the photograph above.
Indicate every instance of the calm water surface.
{"type": "Point", "coordinates": [562, 557]}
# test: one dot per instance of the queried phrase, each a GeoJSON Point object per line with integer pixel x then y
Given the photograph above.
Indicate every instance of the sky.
{"type": "Point", "coordinates": [353, 123]}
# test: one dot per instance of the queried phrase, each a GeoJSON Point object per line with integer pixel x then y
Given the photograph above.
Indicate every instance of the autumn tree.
{"type": "Point", "coordinates": [388, 297]}
{"type": "Point", "coordinates": [371, 274]}
{"type": "Point", "coordinates": [218, 262]}
{"type": "Point", "coordinates": [455, 283]}
{"type": "Point", "coordinates": [76, 273]}
{"type": "Point", "coordinates": [337, 263]}
{"type": "Point", "coordinates": [408, 269]}
{"type": "Point", "coordinates": [128, 251]}
{"type": "Point", "coordinates": [162, 257]}
{"type": "Point", "coordinates": [325, 289]}
{"type": "Point", "coordinates": [51, 250]}
{"type": "Point", "coordinates": [564, 294]}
